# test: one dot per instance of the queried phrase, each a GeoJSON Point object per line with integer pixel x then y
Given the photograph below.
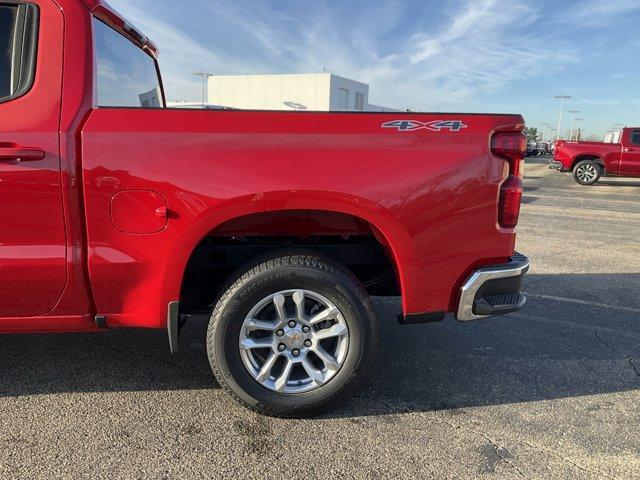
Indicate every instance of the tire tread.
{"type": "Point", "coordinates": [303, 260]}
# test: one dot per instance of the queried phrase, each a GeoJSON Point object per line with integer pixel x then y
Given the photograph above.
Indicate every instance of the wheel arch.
{"type": "Point", "coordinates": [389, 230]}
{"type": "Point", "coordinates": [587, 156]}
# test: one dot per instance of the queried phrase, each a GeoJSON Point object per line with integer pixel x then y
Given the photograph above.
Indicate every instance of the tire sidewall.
{"type": "Point", "coordinates": [587, 162]}
{"type": "Point", "coordinates": [223, 342]}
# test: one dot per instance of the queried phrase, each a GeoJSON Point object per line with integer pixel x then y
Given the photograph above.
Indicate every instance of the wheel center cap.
{"type": "Point", "coordinates": [293, 339]}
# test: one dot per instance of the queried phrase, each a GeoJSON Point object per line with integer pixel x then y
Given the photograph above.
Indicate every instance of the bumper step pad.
{"type": "Point", "coordinates": [493, 290]}
{"type": "Point", "coordinates": [498, 304]}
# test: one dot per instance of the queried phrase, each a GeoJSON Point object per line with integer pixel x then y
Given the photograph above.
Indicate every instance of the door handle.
{"type": "Point", "coordinates": [23, 154]}
{"type": "Point", "coordinates": [629, 149]}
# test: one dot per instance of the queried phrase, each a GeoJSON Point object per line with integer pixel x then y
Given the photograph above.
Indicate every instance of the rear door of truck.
{"type": "Point", "coordinates": [630, 156]}
{"type": "Point", "coordinates": [32, 236]}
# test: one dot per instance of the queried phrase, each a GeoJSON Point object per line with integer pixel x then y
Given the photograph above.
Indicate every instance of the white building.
{"type": "Point", "coordinates": [613, 137]}
{"type": "Point", "coordinates": [320, 92]}
{"type": "Point", "coordinates": [150, 99]}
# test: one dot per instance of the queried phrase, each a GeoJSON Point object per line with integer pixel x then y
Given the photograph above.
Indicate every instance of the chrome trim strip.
{"type": "Point", "coordinates": [516, 267]}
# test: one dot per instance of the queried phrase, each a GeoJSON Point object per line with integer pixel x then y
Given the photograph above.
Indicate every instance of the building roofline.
{"type": "Point", "coordinates": [288, 75]}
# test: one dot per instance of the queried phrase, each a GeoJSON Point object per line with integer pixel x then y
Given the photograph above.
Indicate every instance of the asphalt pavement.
{"type": "Point", "coordinates": [549, 392]}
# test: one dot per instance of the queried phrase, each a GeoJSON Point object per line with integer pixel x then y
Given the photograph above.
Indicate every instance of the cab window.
{"type": "Point", "coordinates": [18, 39]}
{"type": "Point", "coordinates": [126, 75]}
{"type": "Point", "coordinates": [635, 137]}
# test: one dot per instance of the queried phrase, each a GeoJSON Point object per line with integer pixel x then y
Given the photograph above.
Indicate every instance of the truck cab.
{"type": "Point", "coordinates": [589, 161]}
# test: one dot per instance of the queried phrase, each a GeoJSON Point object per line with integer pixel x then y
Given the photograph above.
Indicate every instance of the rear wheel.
{"type": "Point", "coordinates": [292, 336]}
{"type": "Point", "coordinates": [587, 172]}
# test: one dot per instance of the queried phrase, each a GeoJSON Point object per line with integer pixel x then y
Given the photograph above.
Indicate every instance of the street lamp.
{"type": "Point", "coordinates": [562, 98]}
{"type": "Point", "coordinates": [551, 130]}
{"type": "Point", "coordinates": [572, 122]}
{"type": "Point", "coordinates": [203, 77]}
{"type": "Point", "coordinates": [578, 128]}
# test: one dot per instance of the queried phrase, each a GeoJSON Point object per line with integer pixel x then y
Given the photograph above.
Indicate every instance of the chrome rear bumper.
{"type": "Point", "coordinates": [556, 165]}
{"type": "Point", "coordinates": [493, 290]}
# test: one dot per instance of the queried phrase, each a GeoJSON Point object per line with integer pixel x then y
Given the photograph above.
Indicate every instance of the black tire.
{"type": "Point", "coordinates": [587, 172]}
{"type": "Point", "coordinates": [279, 272]}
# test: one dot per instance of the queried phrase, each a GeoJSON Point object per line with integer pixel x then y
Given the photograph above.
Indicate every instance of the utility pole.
{"type": "Point", "coordinates": [572, 122]}
{"type": "Point", "coordinates": [562, 99]}
{"type": "Point", "coordinates": [203, 77]}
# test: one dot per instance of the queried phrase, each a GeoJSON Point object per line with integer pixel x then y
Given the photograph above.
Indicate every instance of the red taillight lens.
{"type": "Point", "coordinates": [510, 198]}
{"type": "Point", "coordinates": [511, 146]}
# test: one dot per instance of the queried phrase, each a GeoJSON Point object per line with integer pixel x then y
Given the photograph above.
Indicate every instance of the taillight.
{"type": "Point", "coordinates": [510, 198]}
{"type": "Point", "coordinates": [511, 146]}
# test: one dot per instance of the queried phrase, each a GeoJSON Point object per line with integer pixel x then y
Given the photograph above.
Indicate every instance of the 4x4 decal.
{"type": "Point", "coordinates": [434, 126]}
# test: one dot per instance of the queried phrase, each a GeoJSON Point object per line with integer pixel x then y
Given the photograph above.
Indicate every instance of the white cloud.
{"type": "Point", "coordinates": [482, 48]}
{"type": "Point", "coordinates": [479, 46]}
{"type": "Point", "coordinates": [180, 53]}
{"type": "Point", "coordinates": [601, 12]}
{"type": "Point", "coordinates": [610, 101]}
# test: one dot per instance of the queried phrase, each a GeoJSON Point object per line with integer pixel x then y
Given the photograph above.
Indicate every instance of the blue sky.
{"type": "Point", "coordinates": [478, 55]}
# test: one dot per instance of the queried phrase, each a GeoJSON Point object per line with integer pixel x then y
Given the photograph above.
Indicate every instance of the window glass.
{"type": "Point", "coordinates": [359, 101]}
{"type": "Point", "coordinates": [635, 137]}
{"type": "Point", "coordinates": [18, 37]}
{"type": "Point", "coordinates": [127, 76]}
{"type": "Point", "coordinates": [343, 98]}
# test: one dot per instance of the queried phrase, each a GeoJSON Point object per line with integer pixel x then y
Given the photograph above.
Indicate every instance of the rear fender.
{"type": "Point", "coordinates": [384, 224]}
{"type": "Point", "coordinates": [587, 156]}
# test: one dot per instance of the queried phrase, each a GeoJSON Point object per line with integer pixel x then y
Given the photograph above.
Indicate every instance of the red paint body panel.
{"type": "Point", "coordinates": [138, 212]}
{"type": "Point", "coordinates": [430, 196]}
{"type": "Point", "coordinates": [618, 158]}
{"type": "Point", "coordinates": [424, 191]}
{"type": "Point", "coordinates": [33, 243]}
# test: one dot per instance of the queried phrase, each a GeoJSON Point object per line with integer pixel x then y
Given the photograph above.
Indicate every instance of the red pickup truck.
{"type": "Point", "coordinates": [591, 160]}
{"type": "Point", "coordinates": [120, 212]}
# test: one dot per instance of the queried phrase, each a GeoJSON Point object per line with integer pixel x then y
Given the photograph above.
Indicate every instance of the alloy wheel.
{"type": "Point", "coordinates": [294, 341]}
{"type": "Point", "coordinates": [586, 173]}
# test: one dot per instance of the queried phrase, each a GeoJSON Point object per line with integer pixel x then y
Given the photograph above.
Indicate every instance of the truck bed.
{"type": "Point", "coordinates": [428, 190]}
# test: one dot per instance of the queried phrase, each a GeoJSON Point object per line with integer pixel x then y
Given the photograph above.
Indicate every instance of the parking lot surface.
{"type": "Point", "coordinates": [550, 392]}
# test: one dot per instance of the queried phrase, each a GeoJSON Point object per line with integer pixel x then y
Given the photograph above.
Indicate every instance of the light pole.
{"type": "Point", "coordinates": [578, 128]}
{"type": "Point", "coordinates": [545, 128]}
{"type": "Point", "coordinates": [562, 98]}
{"type": "Point", "coordinates": [572, 122]}
{"type": "Point", "coordinates": [203, 76]}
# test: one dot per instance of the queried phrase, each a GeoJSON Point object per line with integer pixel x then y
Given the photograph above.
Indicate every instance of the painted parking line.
{"type": "Point", "coordinates": [572, 324]}
{"type": "Point", "coordinates": [577, 301]}
{"type": "Point", "coordinates": [579, 199]}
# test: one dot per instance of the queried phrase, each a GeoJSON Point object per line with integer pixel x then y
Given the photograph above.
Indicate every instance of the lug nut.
{"type": "Point", "coordinates": [281, 347]}
{"type": "Point", "coordinates": [292, 324]}
{"type": "Point", "coordinates": [306, 329]}
{"type": "Point", "coordinates": [295, 352]}
{"type": "Point", "coordinates": [280, 333]}
{"type": "Point", "coordinates": [307, 343]}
